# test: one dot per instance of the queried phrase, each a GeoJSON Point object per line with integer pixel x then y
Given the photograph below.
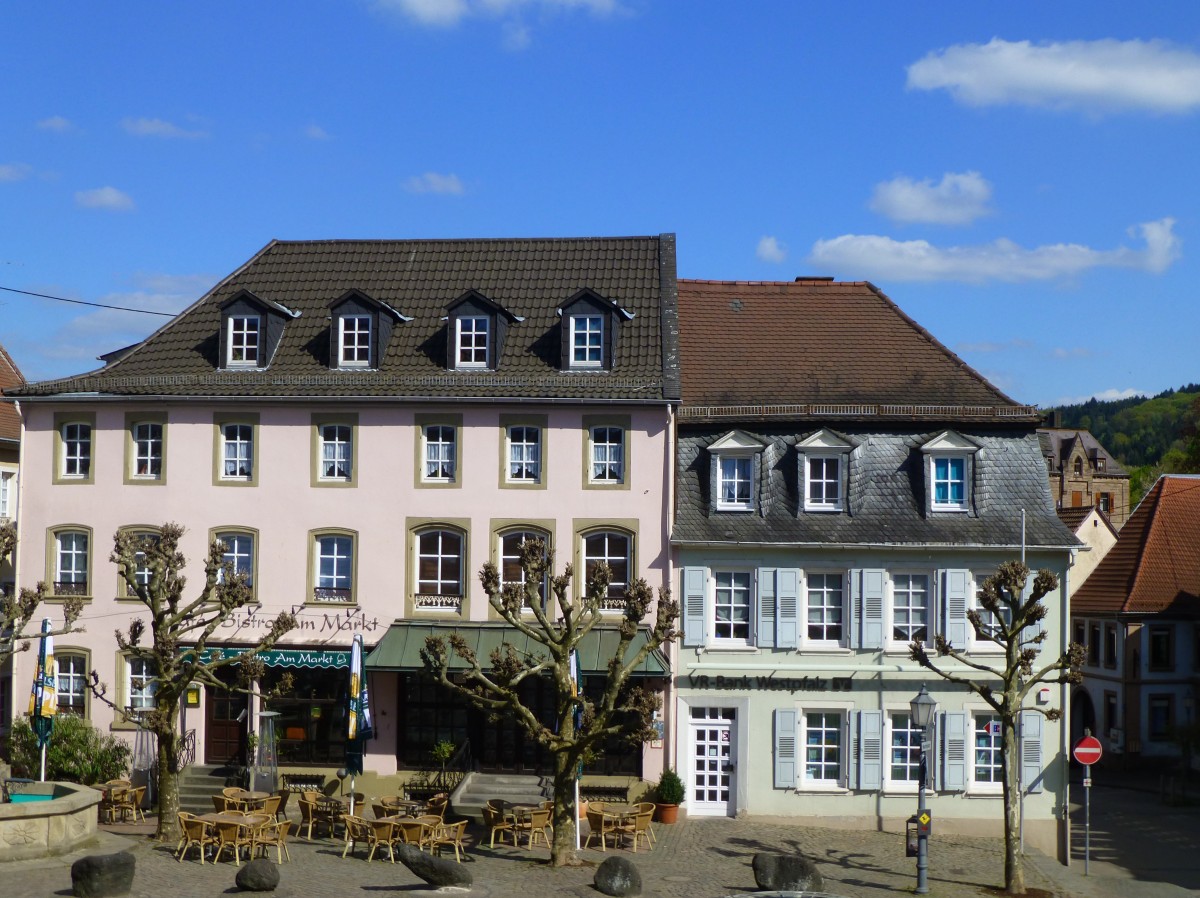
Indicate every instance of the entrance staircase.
{"type": "Point", "coordinates": [198, 783]}
{"type": "Point", "coordinates": [477, 789]}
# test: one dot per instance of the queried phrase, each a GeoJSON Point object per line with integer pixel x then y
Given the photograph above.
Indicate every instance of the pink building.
{"type": "Point", "coordinates": [364, 424]}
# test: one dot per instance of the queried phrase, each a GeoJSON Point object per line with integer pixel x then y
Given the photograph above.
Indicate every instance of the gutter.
{"type": "Point", "coordinates": [788, 544]}
{"type": "Point", "coordinates": [309, 400]}
{"type": "Point", "coordinates": [838, 666]}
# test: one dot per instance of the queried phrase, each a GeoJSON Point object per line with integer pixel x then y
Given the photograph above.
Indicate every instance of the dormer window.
{"type": "Point", "coordinates": [590, 325]}
{"type": "Point", "coordinates": [471, 343]}
{"type": "Point", "coordinates": [475, 331]}
{"type": "Point", "coordinates": [823, 462]}
{"type": "Point", "coordinates": [354, 341]}
{"type": "Point", "coordinates": [243, 340]}
{"type": "Point", "coordinates": [251, 328]}
{"type": "Point", "coordinates": [949, 465]}
{"type": "Point", "coordinates": [736, 459]}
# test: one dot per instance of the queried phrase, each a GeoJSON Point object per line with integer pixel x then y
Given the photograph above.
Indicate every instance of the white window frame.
{"type": "Point", "coordinates": [949, 458]}
{"type": "Point", "coordinates": [77, 450]}
{"type": "Point", "coordinates": [524, 455]}
{"type": "Point", "coordinates": [75, 553]}
{"type": "Point", "coordinates": [974, 643]}
{"type": "Point", "coordinates": [243, 462]}
{"type": "Point", "coordinates": [806, 782]}
{"type": "Point", "coordinates": [809, 585]}
{"type": "Point", "coordinates": [616, 586]}
{"type": "Point", "coordinates": [69, 682]}
{"type": "Point", "coordinates": [995, 750]}
{"type": "Point", "coordinates": [838, 460]}
{"type": "Point", "coordinates": [734, 575]}
{"type": "Point", "coordinates": [607, 462]}
{"type": "Point", "coordinates": [243, 341]}
{"type": "Point", "coordinates": [336, 448]}
{"type": "Point", "coordinates": [472, 341]}
{"type": "Point", "coordinates": [8, 494]}
{"type": "Point", "coordinates": [440, 456]}
{"type": "Point", "coordinates": [739, 464]}
{"type": "Point", "coordinates": [587, 341]}
{"type": "Point", "coordinates": [439, 550]}
{"type": "Point", "coordinates": [354, 341]}
{"type": "Point", "coordinates": [907, 750]}
{"type": "Point", "coordinates": [239, 553]}
{"type": "Point", "coordinates": [512, 559]}
{"type": "Point", "coordinates": [338, 550]}
{"type": "Point", "coordinates": [140, 684]}
{"type": "Point", "coordinates": [895, 590]}
{"type": "Point", "coordinates": [147, 437]}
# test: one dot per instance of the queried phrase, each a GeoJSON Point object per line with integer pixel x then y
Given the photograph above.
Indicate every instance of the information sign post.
{"type": "Point", "coordinates": [1087, 751]}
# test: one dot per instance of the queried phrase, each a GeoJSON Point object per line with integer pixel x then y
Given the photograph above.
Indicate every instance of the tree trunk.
{"type": "Point", "coordinates": [1014, 870]}
{"type": "Point", "coordinates": [168, 785]}
{"type": "Point", "coordinates": [566, 815]}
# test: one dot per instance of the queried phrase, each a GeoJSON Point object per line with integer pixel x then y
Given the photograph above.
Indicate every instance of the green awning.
{"type": "Point", "coordinates": [324, 659]}
{"type": "Point", "coordinates": [400, 648]}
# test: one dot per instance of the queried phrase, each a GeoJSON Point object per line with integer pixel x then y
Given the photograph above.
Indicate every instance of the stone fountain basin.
{"type": "Point", "coordinates": [31, 829]}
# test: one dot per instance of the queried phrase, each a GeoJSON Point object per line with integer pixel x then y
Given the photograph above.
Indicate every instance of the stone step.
{"type": "Point", "coordinates": [477, 789]}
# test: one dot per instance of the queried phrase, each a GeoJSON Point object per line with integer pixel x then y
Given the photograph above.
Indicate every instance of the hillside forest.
{"type": "Point", "coordinates": [1149, 437]}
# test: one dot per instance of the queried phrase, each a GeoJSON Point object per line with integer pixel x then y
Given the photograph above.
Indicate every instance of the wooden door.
{"type": "Point", "coordinates": [224, 734]}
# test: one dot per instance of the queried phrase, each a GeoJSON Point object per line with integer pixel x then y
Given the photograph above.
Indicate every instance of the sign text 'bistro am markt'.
{"type": "Point", "coordinates": [307, 621]}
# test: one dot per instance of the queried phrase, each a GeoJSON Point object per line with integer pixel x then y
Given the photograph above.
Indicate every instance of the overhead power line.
{"type": "Point", "coordinates": [80, 302]}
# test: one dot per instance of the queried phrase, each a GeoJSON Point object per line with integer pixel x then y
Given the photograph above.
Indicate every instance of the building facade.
{"type": "Point", "coordinates": [844, 484]}
{"type": "Point", "coordinates": [10, 458]}
{"type": "Point", "coordinates": [1138, 616]}
{"type": "Point", "coordinates": [364, 424]}
{"type": "Point", "coordinates": [1083, 474]}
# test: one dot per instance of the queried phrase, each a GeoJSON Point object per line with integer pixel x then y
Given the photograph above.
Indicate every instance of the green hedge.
{"type": "Point", "coordinates": [77, 753]}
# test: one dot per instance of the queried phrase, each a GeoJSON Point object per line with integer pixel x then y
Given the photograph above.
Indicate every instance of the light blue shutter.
{"type": "Point", "coordinates": [955, 597]}
{"type": "Point", "coordinates": [872, 609]}
{"type": "Point", "coordinates": [1031, 751]}
{"type": "Point", "coordinates": [693, 606]}
{"type": "Point", "coordinates": [766, 607]}
{"type": "Point", "coordinates": [785, 748]}
{"type": "Point", "coordinates": [870, 749]}
{"type": "Point", "coordinates": [854, 609]}
{"type": "Point", "coordinates": [787, 599]}
{"type": "Point", "coordinates": [954, 751]}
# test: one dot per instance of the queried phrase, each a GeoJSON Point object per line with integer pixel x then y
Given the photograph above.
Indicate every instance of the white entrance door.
{"type": "Point", "coordinates": [713, 762]}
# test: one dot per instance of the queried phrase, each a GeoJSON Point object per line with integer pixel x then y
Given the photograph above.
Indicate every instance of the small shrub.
{"type": "Point", "coordinates": [77, 752]}
{"type": "Point", "coordinates": [670, 788]}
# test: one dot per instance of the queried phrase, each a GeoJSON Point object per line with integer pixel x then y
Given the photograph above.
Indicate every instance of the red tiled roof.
{"type": "Point", "coordinates": [1155, 565]}
{"type": "Point", "coordinates": [10, 376]}
{"type": "Point", "coordinates": [814, 341]}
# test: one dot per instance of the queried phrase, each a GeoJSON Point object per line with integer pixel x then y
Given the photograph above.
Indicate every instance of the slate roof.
{"type": "Point", "coordinates": [886, 491]}
{"type": "Point", "coordinates": [419, 278]}
{"type": "Point", "coordinates": [1154, 568]}
{"type": "Point", "coordinates": [10, 378]}
{"type": "Point", "coordinates": [1059, 442]}
{"type": "Point", "coordinates": [816, 341]}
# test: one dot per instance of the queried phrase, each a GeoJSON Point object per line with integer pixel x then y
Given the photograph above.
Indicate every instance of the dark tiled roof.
{"type": "Point", "coordinates": [1073, 516]}
{"type": "Point", "coordinates": [419, 278]}
{"type": "Point", "coordinates": [814, 341]}
{"type": "Point", "coordinates": [1058, 442]}
{"type": "Point", "coordinates": [886, 492]}
{"type": "Point", "coordinates": [1154, 567]}
{"type": "Point", "coordinates": [10, 378]}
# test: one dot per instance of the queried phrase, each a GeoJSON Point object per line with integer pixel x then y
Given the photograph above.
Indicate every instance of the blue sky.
{"type": "Point", "coordinates": [1020, 178]}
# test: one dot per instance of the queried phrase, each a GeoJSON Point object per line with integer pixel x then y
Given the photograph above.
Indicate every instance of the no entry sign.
{"type": "Point", "coordinates": [1088, 750]}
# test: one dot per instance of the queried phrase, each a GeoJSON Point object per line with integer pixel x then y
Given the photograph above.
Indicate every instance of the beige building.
{"type": "Point", "coordinates": [1096, 532]}
{"type": "Point", "coordinates": [1083, 474]}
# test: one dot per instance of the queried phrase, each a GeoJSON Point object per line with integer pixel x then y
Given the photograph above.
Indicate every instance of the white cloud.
{"type": "Point", "coordinates": [448, 13]}
{"type": "Point", "coordinates": [56, 123]}
{"type": "Point", "coordinates": [316, 132]}
{"type": "Point", "coordinates": [956, 199]}
{"type": "Point", "coordinates": [771, 250]}
{"type": "Point", "coordinates": [104, 198]}
{"type": "Point", "coordinates": [432, 182]}
{"type": "Point", "coordinates": [871, 256]}
{"type": "Point", "coordinates": [516, 37]}
{"type": "Point", "coordinates": [1109, 395]}
{"type": "Point", "coordinates": [156, 127]}
{"type": "Point", "coordinates": [1075, 352]}
{"type": "Point", "coordinates": [1096, 76]}
{"type": "Point", "coordinates": [14, 171]}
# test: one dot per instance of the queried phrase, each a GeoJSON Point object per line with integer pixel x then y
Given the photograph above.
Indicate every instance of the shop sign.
{"type": "Point", "coordinates": [308, 620]}
{"type": "Point", "coordinates": [770, 683]}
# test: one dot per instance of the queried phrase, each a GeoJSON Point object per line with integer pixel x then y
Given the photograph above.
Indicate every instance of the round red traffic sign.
{"type": "Point", "coordinates": [1088, 750]}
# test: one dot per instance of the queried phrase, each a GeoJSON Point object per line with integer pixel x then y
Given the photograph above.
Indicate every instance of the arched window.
{"type": "Point", "coordinates": [615, 548]}
{"type": "Point", "coordinates": [439, 563]}
{"type": "Point", "coordinates": [1078, 467]}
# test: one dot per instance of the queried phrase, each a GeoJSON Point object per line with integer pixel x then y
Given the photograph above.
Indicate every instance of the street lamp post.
{"type": "Point", "coordinates": [922, 708]}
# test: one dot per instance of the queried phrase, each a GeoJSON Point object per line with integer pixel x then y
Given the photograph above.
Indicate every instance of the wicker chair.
{"type": "Point", "coordinates": [451, 835]}
{"type": "Point", "coordinates": [496, 822]}
{"type": "Point", "coordinates": [281, 811]}
{"type": "Point", "coordinates": [195, 832]}
{"type": "Point", "coordinates": [536, 823]}
{"type": "Point", "coordinates": [274, 834]}
{"type": "Point", "coordinates": [601, 825]}
{"type": "Point", "coordinates": [234, 836]}
{"type": "Point", "coordinates": [644, 807]}
{"type": "Point", "coordinates": [637, 828]}
{"type": "Point", "coordinates": [414, 832]}
{"type": "Point", "coordinates": [310, 816]}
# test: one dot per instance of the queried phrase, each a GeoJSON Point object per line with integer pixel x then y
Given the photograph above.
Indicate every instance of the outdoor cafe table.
{"type": "Point", "coordinates": [248, 821]}
{"type": "Point", "coordinates": [252, 799]}
{"type": "Point", "coordinates": [408, 805]}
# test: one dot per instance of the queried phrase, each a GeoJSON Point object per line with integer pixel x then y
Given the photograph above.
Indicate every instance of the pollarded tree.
{"type": "Point", "coordinates": [18, 609]}
{"type": "Point", "coordinates": [580, 725]}
{"type": "Point", "coordinates": [179, 628]}
{"type": "Point", "coordinates": [1013, 623]}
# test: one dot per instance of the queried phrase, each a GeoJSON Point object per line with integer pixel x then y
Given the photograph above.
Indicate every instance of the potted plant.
{"type": "Point", "coordinates": [668, 794]}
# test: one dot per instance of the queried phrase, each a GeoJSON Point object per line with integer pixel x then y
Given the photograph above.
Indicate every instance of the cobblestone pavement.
{"type": "Point", "coordinates": [697, 858]}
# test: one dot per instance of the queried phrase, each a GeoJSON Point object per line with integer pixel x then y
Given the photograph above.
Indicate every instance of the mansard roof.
{"type": "Point", "coordinates": [531, 278]}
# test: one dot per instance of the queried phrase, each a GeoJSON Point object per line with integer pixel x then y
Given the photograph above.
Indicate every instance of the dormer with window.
{"type": "Point", "coordinates": [590, 327]}
{"type": "Point", "coordinates": [824, 463]}
{"type": "Point", "coordinates": [736, 462]}
{"type": "Point", "coordinates": [949, 466]}
{"type": "Point", "coordinates": [359, 330]}
{"type": "Point", "coordinates": [251, 328]}
{"type": "Point", "coordinates": [475, 331]}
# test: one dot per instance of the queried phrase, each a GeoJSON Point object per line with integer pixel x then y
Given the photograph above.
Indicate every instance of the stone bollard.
{"type": "Point", "coordinates": [618, 877]}
{"type": "Point", "coordinates": [102, 875]}
{"type": "Point", "coordinates": [787, 873]}
{"type": "Point", "coordinates": [260, 875]}
{"type": "Point", "coordinates": [434, 870]}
